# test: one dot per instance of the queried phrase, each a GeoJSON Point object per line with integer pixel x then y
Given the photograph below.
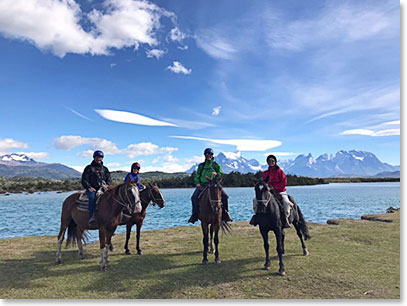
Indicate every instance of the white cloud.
{"type": "Point", "coordinates": [155, 53]}
{"type": "Point", "coordinates": [397, 122]}
{"type": "Point", "coordinates": [177, 35]}
{"type": "Point", "coordinates": [36, 155]}
{"type": "Point", "coordinates": [216, 110]}
{"type": "Point", "coordinates": [241, 144]}
{"type": "Point", "coordinates": [76, 113]}
{"type": "Point", "coordinates": [7, 144]}
{"type": "Point", "coordinates": [127, 117]}
{"type": "Point", "coordinates": [183, 48]}
{"type": "Point", "coordinates": [177, 67]}
{"type": "Point", "coordinates": [56, 25]}
{"type": "Point", "coordinates": [212, 42]}
{"type": "Point", "coordinates": [146, 148]}
{"type": "Point", "coordinates": [365, 132]}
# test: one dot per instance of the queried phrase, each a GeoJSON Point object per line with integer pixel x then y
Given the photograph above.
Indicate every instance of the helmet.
{"type": "Point", "coordinates": [98, 153]}
{"type": "Point", "coordinates": [208, 151]}
{"type": "Point", "coordinates": [135, 165]}
{"type": "Point", "coordinates": [273, 157]}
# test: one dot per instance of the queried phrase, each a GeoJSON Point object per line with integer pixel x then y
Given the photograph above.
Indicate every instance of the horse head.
{"type": "Point", "coordinates": [155, 195]}
{"type": "Point", "coordinates": [131, 196]}
{"type": "Point", "coordinates": [263, 196]}
{"type": "Point", "coordinates": [215, 194]}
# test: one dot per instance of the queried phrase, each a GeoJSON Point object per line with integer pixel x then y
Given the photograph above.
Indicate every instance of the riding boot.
{"type": "Point", "coordinates": [195, 207]}
{"type": "Point", "coordinates": [225, 207]}
{"type": "Point", "coordinates": [92, 220]}
{"type": "Point", "coordinates": [253, 220]}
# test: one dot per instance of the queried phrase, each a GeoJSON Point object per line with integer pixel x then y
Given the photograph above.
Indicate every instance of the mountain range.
{"type": "Point", "coordinates": [343, 163]}
{"type": "Point", "coordinates": [21, 165]}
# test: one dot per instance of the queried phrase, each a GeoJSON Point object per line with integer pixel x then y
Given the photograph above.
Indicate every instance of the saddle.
{"type": "Point", "coordinates": [83, 200]}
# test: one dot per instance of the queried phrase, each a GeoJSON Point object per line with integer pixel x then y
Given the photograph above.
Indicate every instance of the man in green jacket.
{"type": "Point", "coordinates": [209, 168]}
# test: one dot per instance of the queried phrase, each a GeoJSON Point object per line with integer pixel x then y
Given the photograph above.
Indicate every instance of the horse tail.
{"type": "Point", "coordinates": [226, 229]}
{"type": "Point", "coordinates": [72, 238]}
{"type": "Point", "coordinates": [303, 224]}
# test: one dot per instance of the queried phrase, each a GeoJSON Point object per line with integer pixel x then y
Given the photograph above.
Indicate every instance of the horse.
{"type": "Point", "coordinates": [109, 214]}
{"type": "Point", "coordinates": [150, 194]}
{"type": "Point", "coordinates": [210, 215]}
{"type": "Point", "coordinates": [269, 219]}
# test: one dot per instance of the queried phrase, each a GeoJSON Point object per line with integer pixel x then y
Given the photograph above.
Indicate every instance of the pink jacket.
{"type": "Point", "coordinates": [277, 178]}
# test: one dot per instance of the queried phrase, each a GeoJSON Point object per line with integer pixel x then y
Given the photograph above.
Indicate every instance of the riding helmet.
{"type": "Point", "coordinates": [98, 153]}
{"type": "Point", "coordinates": [208, 151]}
{"type": "Point", "coordinates": [273, 157]}
{"type": "Point", "coordinates": [135, 165]}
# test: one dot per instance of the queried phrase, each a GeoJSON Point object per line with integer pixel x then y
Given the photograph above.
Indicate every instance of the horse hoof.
{"type": "Point", "coordinates": [217, 261]}
{"type": "Point", "coordinates": [127, 252]}
{"type": "Point", "coordinates": [305, 252]}
{"type": "Point", "coordinates": [58, 262]}
{"type": "Point", "coordinates": [266, 268]}
{"type": "Point", "coordinates": [281, 273]}
{"type": "Point", "coordinates": [111, 248]}
{"type": "Point", "coordinates": [140, 252]}
{"type": "Point", "coordinates": [204, 262]}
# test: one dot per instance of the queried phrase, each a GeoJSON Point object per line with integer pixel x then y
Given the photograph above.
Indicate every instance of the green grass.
{"type": "Point", "coordinates": [357, 259]}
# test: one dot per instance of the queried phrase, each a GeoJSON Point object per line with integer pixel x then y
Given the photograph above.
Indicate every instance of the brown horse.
{"type": "Point", "coordinates": [210, 214]}
{"type": "Point", "coordinates": [150, 194]}
{"type": "Point", "coordinates": [109, 214]}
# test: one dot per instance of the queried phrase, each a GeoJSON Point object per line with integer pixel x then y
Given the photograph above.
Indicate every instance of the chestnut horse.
{"type": "Point", "coordinates": [150, 194]}
{"type": "Point", "coordinates": [109, 214]}
{"type": "Point", "coordinates": [210, 214]}
{"type": "Point", "coordinates": [269, 219]}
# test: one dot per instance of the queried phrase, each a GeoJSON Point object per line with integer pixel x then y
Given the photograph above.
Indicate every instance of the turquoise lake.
{"type": "Point", "coordinates": [39, 214]}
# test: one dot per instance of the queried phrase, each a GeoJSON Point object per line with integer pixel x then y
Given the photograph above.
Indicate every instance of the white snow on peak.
{"type": "Point", "coordinates": [14, 157]}
{"type": "Point", "coordinates": [233, 155]}
{"type": "Point", "coordinates": [358, 157]}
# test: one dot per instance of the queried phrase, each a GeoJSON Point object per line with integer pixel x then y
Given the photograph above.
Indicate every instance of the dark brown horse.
{"type": "Point", "coordinates": [210, 214]}
{"type": "Point", "coordinates": [109, 214]}
{"type": "Point", "coordinates": [150, 194]}
{"type": "Point", "coordinates": [269, 219]}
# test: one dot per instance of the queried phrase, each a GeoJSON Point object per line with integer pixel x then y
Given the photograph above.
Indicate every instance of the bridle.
{"type": "Point", "coordinates": [215, 204]}
{"type": "Point", "coordinates": [266, 201]}
{"type": "Point", "coordinates": [129, 203]}
{"type": "Point", "coordinates": [151, 196]}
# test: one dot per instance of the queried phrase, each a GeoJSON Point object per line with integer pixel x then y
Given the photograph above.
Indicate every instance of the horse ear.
{"type": "Point", "coordinates": [149, 185]}
{"type": "Point", "coordinates": [266, 179]}
{"type": "Point", "coordinates": [221, 178]}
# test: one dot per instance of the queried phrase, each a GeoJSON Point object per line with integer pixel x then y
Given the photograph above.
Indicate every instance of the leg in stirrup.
{"type": "Point", "coordinates": [225, 207]}
{"type": "Point", "coordinates": [195, 206]}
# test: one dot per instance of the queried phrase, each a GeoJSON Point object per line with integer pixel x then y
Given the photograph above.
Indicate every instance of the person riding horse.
{"type": "Point", "coordinates": [134, 175]}
{"type": "Point", "coordinates": [94, 177]}
{"type": "Point", "coordinates": [208, 169]}
{"type": "Point", "coordinates": [277, 179]}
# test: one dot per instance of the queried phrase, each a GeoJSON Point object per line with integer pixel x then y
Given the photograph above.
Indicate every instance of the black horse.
{"type": "Point", "coordinates": [269, 219]}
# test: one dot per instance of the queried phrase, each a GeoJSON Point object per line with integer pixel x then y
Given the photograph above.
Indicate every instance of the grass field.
{"type": "Point", "coordinates": [356, 259]}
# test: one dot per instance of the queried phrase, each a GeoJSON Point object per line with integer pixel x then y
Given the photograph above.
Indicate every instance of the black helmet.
{"type": "Point", "coordinates": [135, 165]}
{"type": "Point", "coordinates": [98, 153]}
{"type": "Point", "coordinates": [273, 157]}
{"type": "Point", "coordinates": [208, 151]}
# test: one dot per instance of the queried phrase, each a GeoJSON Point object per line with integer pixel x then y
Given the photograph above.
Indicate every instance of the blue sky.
{"type": "Point", "coordinates": [158, 82]}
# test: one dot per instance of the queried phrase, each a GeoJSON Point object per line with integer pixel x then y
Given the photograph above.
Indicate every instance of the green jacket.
{"type": "Point", "coordinates": [205, 169]}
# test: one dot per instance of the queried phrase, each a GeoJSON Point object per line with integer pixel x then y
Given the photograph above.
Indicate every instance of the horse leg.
{"type": "Point", "coordinates": [109, 235]}
{"type": "Point", "coordinates": [103, 249]}
{"type": "Point", "coordinates": [299, 234]}
{"type": "Point", "coordinates": [216, 240]}
{"type": "Point", "coordinates": [205, 242]}
{"type": "Point", "coordinates": [211, 240]}
{"type": "Point", "coordinates": [80, 245]}
{"type": "Point", "coordinates": [279, 239]}
{"type": "Point", "coordinates": [139, 251]}
{"type": "Point", "coordinates": [128, 233]}
{"type": "Point", "coordinates": [265, 235]}
{"type": "Point", "coordinates": [61, 237]}
{"type": "Point", "coordinates": [282, 241]}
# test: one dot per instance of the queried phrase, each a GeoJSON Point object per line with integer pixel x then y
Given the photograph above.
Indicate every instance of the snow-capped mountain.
{"type": "Point", "coordinates": [343, 163]}
{"type": "Point", "coordinates": [233, 162]}
{"type": "Point", "coordinates": [21, 165]}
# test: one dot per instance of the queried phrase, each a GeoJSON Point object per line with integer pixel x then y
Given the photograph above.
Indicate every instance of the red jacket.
{"type": "Point", "coordinates": [277, 178]}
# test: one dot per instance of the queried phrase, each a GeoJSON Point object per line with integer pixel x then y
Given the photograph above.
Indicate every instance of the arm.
{"type": "Point", "coordinates": [127, 177]}
{"type": "Point", "coordinates": [218, 169]}
{"type": "Point", "coordinates": [197, 179]}
{"type": "Point", "coordinates": [140, 187]}
{"type": "Point", "coordinates": [108, 178]}
{"type": "Point", "coordinates": [282, 181]}
{"type": "Point", "coordinates": [85, 178]}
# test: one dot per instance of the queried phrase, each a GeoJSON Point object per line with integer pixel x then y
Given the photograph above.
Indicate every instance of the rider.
{"type": "Point", "coordinates": [278, 180]}
{"type": "Point", "coordinates": [94, 177]}
{"type": "Point", "coordinates": [134, 175]}
{"type": "Point", "coordinates": [209, 168]}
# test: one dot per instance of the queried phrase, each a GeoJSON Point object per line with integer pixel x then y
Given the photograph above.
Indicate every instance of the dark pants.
{"type": "Point", "coordinates": [91, 203]}
{"type": "Point", "coordinates": [195, 201]}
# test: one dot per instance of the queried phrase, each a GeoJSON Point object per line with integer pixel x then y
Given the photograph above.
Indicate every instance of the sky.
{"type": "Point", "coordinates": [159, 81]}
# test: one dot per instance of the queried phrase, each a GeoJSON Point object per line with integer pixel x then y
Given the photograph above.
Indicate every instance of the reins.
{"type": "Point", "coordinates": [123, 203]}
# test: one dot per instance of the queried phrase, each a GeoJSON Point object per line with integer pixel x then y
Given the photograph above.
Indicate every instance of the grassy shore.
{"type": "Point", "coordinates": [356, 259]}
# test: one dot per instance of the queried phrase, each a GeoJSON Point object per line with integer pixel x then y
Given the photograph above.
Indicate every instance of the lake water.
{"type": "Point", "coordinates": [39, 214]}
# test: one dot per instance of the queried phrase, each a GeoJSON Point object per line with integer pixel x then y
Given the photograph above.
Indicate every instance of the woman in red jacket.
{"type": "Point", "coordinates": [278, 180]}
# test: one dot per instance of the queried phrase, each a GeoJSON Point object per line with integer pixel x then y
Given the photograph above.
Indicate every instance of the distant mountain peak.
{"type": "Point", "coordinates": [19, 158]}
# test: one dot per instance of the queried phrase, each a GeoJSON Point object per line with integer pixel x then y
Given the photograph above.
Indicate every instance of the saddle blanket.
{"type": "Point", "coordinates": [83, 200]}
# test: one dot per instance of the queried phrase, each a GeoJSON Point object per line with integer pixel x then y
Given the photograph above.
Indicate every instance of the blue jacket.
{"type": "Point", "coordinates": [133, 177]}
